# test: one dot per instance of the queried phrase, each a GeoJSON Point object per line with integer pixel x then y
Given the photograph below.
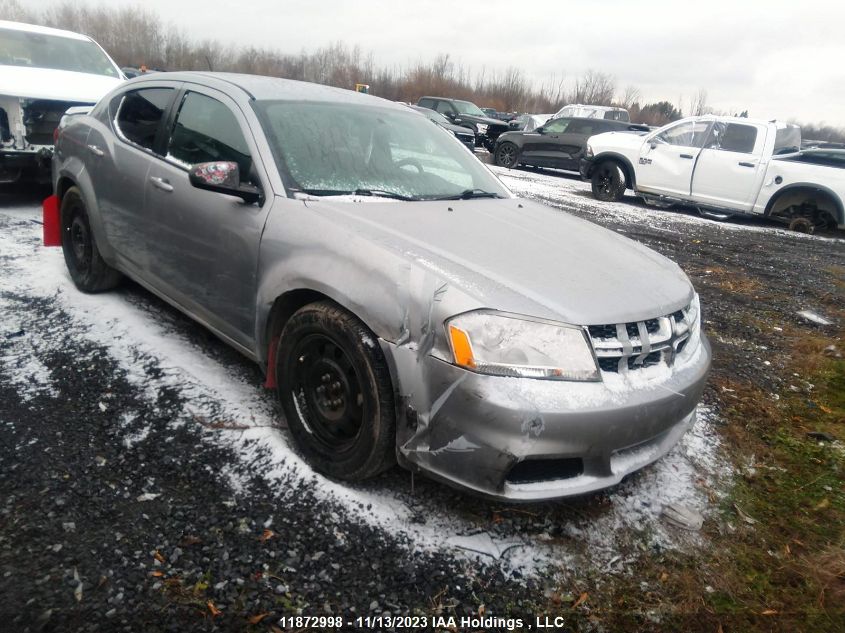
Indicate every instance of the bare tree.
{"type": "Point", "coordinates": [630, 96]}
{"type": "Point", "coordinates": [594, 88]}
{"type": "Point", "coordinates": [698, 103]}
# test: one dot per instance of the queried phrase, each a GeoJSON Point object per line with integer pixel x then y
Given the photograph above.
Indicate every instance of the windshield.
{"type": "Point", "coordinates": [467, 107]}
{"type": "Point", "coordinates": [36, 50]}
{"type": "Point", "coordinates": [338, 148]}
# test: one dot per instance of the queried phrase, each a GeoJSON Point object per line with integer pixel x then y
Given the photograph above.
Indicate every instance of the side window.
{"type": "Point", "coordinates": [206, 130]}
{"type": "Point", "coordinates": [688, 134]}
{"type": "Point", "coordinates": [444, 107]}
{"type": "Point", "coordinates": [139, 114]}
{"type": "Point", "coordinates": [732, 137]}
{"type": "Point", "coordinates": [426, 103]}
{"type": "Point", "coordinates": [739, 138]}
{"type": "Point", "coordinates": [558, 126]}
{"type": "Point", "coordinates": [584, 127]}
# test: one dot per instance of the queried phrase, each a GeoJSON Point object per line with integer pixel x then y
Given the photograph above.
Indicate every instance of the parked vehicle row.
{"type": "Point", "coordinates": [723, 166]}
{"type": "Point", "coordinates": [464, 134]}
{"type": "Point", "coordinates": [354, 251]}
{"type": "Point", "coordinates": [467, 114]}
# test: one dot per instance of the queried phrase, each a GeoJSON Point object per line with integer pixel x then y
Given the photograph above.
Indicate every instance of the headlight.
{"type": "Point", "coordinates": [482, 128]}
{"type": "Point", "coordinates": [506, 345]}
{"type": "Point", "coordinates": [589, 152]}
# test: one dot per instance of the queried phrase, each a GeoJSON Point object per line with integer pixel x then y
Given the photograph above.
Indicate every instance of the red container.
{"type": "Point", "coordinates": [52, 222]}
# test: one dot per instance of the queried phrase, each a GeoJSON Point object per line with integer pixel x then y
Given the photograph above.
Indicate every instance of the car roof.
{"type": "Point", "coordinates": [262, 88]}
{"type": "Point", "coordinates": [42, 30]}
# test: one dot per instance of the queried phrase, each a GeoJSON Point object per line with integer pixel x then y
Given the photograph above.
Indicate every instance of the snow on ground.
{"type": "Point", "coordinates": [136, 333]}
{"type": "Point", "coordinates": [557, 189]}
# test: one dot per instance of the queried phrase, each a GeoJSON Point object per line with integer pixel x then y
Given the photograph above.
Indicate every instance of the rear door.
{"type": "Point", "coordinates": [728, 173]}
{"type": "Point", "coordinates": [119, 155]}
{"type": "Point", "coordinates": [667, 160]}
{"type": "Point", "coordinates": [207, 242]}
{"type": "Point", "coordinates": [543, 148]}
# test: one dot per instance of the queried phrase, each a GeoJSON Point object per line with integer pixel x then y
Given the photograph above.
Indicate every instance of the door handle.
{"type": "Point", "coordinates": [744, 164]}
{"type": "Point", "coordinates": [161, 183]}
{"type": "Point", "coordinates": [689, 156]}
{"type": "Point", "coordinates": [96, 150]}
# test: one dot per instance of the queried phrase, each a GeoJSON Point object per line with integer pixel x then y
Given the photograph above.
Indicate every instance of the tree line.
{"type": "Point", "coordinates": [135, 36]}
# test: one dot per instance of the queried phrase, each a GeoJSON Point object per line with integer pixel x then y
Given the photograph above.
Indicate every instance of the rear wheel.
{"type": "Point", "coordinates": [335, 389]}
{"type": "Point", "coordinates": [86, 266]}
{"type": "Point", "coordinates": [608, 181]}
{"type": "Point", "coordinates": [506, 155]}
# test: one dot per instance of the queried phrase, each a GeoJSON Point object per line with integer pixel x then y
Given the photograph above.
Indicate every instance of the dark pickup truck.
{"type": "Point", "coordinates": [467, 114]}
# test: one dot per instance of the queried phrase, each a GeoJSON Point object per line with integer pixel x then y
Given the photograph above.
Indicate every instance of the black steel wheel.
{"type": "Point", "coordinates": [86, 266]}
{"type": "Point", "coordinates": [608, 181]}
{"type": "Point", "coordinates": [506, 155]}
{"type": "Point", "coordinates": [336, 393]}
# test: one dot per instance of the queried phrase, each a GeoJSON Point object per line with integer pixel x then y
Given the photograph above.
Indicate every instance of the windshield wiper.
{"type": "Point", "coordinates": [357, 192]}
{"type": "Point", "coordinates": [466, 194]}
{"type": "Point", "coordinates": [380, 193]}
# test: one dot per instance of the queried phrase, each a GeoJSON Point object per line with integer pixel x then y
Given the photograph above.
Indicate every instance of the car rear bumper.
{"type": "Point", "coordinates": [519, 439]}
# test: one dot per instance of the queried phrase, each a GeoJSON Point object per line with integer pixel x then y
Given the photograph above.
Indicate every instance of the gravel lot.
{"type": "Point", "coordinates": [147, 482]}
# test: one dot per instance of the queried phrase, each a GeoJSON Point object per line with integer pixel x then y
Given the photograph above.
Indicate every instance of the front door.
{"type": "Point", "coordinates": [207, 242]}
{"type": "Point", "coordinates": [667, 160]}
{"type": "Point", "coordinates": [544, 147]}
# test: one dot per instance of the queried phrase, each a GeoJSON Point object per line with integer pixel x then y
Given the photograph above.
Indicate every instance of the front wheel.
{"type": "Point", "coordinates": [608, 182]}
{"type": "Point", "coordinates": [335, 389]}
{"type": "Point", "coordinates": [506, 155]}
{"type": "Point", "coordinates": [86, 266]}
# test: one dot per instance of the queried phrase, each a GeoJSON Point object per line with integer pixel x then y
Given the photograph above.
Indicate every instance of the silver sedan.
{"type": "Point", "coordinates": [405, 306]}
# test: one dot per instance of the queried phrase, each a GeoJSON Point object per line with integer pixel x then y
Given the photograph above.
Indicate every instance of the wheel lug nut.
{"type": "Point", "coordinates": [335, 385]}
{"type": "Point", "coordinates": [326, 378]}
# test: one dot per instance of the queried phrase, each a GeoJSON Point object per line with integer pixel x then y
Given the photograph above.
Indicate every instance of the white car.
{"type": "Point", "coordinates": [43, 72]}
{"type": "Point", "coordinates": [724, 166]}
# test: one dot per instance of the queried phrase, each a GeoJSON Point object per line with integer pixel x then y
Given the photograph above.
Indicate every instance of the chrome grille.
{"type": "Point", "coordinates": [624, 347]}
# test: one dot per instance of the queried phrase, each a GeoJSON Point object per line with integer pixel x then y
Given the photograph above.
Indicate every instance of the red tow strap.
{"type": "Point", "coordinates": [270, 382]}
{"type": "Point", "coordinates": [52, 221]}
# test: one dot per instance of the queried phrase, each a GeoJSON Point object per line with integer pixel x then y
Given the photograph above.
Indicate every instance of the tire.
{"type": "Point", "coordinates": [608, 181]}
{"type": "Point", "coordinates": [88, 270]}
{"type": "Point", "coordinates": [335, 390]}
{"type": "Point", "coordinates": [507, 155]}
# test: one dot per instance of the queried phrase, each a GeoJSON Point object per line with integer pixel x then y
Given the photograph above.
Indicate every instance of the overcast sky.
{"type": "Point", "coordinates": [778, 59]}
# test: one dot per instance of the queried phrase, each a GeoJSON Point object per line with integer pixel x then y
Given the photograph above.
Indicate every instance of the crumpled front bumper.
{"type": "Point", "coordinates": [574, 437]}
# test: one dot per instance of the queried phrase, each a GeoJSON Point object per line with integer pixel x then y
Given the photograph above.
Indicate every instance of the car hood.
{"type": "Point", "coordinates": [519, 256]}
{"type": "Point", "coordinates": [481, 119]}
{"type": "Point", "coordinates": [46, 83]}
{"type": "Point", "coordinates": [457, 128]}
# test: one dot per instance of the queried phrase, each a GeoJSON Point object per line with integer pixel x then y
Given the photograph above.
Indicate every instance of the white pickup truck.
{"type": "Point", "coordinates": [723, 166]}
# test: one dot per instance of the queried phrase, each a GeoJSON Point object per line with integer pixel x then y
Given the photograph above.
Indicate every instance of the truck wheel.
{"type": "Point", "coordinates": [335, 389]}
{"type": "Point", "coordinates": [608, 181]}
{"type": "Point", "coordinates": [506, 155]}
{"type": "Point", "coordinates": [88, 270]}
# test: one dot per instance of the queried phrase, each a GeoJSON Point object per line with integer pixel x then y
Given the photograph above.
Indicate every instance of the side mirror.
{"type": "Point", "coordinates": [223, 177]}
{"type": "Point", "coordinates": [540, 130]}
{"type": "Point", "coordinates": [449, 115]}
